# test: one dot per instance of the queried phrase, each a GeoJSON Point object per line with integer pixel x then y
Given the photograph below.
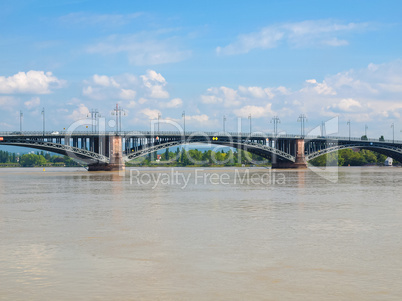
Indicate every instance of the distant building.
{"type": "Point", "coordinates": [388, 161]}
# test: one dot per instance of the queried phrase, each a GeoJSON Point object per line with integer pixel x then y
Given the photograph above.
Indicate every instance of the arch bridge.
{"type": "Point", "coordinates": [110, 150]}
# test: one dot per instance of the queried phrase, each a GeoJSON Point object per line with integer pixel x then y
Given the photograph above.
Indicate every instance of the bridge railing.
{"type": "Point", "coordinates": [61, 134]}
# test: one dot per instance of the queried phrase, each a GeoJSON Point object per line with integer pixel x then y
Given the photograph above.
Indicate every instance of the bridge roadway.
{"type": "Point", "coordinates": [109, 150]}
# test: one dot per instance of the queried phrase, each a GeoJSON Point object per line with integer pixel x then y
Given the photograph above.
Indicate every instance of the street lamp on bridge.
{"type": "Point", "coordinates": [21, 115]}
{"type": "Point", "coordinates": [348, 123]}
{"type": "Point", "coordinates": [302, 119]}
{"type": "Point", "coordinates": [159, 116]}
{"type": "Point", "coordinates": [365, 130]}
{"type": "Point", "coordinates": [43, 116]}
{"type": "Point", "coordinates": [249, 118]}
{"type": "Point", "coordinates": [393, 132]}
{"type": "Point", "coordinates": [118, 112]}
{"type": "Point", "coordinates": [224, 120]}
{"type": "Point", "coordinates": [275, 120]}
{"type": "Point", "coordinates": [184, 122]}
{"type": "Point", "coordinates": [94, 115]}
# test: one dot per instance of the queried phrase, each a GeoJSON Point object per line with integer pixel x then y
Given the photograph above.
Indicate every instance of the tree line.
{"type": "Point", "coordinates": [38, 159]}
{"type": "Point", "coordinates": [349, 157]}
{"type": "Point", "coordinates": [195, 157]}
{"type": "Point", "coordinates": [182, 157]}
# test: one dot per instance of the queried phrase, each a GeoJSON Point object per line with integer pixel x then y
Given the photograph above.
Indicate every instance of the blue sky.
{"type": "Point", "coordinates": [207, 58]}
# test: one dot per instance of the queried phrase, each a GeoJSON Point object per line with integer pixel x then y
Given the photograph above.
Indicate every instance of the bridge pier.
{"type": "Point", "coordinates": [115, 154]}
{"type": "Point", "coordinates": [300, 161]}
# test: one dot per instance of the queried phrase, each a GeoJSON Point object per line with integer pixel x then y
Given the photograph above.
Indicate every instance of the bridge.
{"type": "Point", "coordinates": [110, 150]}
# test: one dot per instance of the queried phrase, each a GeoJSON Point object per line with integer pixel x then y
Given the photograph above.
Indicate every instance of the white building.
{"type": "Point", "coordinates": [388, 161]}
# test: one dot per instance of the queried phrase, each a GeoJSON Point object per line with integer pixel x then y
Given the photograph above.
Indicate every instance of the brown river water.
{"type": "Point", "coordinates": [200, 234]}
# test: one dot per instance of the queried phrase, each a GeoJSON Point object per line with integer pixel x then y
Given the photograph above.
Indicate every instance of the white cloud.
{"type": "Point", "coordinates": [127, 94]}
{"type": "Point", "coordinates": [154, 82]}
{"type": "Point", "coordinates": [152, 76]}
{"type": "Point", "coordinates": [151, 114]}
{"type": "Point", "coordinates": [257, 92]}
{"type": "Point", "coordinates": [211, 99]}
{"type": "Point", "coordinates": [103, 80]}
{"type": "Point", "coordinates": [319, 88]}
{"type": "Point", "coordinates": [228, 96]}
{"type": "Point", "coordinates": [32, 103]}
{"type": "Point", "coordinates": [283, 90]}
{"type": "Point", "coordinates": [267, 38]}
{"type": "Point", "coordinates": [131, 104]}
{"type": "Point", "coordinates": [146, 48]}
{"type": "Point", "coordinates": [364, 95]}
{"type": "Point", "coordinates": [31, 82]}
{"type": "Point", "coordinates": [157, 91]}
{"type": "Point", "coordinates": [370, 93]}
{"type": "Point", "coordinates": [255, 111]}
{"type": "Point", "coordinates": [174, 103]}
{"type": "Point", "coordinates": [300, 34]}
{"type": "Point", "coordinates": [142, 100]}
{"type": "Point", "coordinates": [335, 42]}
{"type": "Point", "coordinates": [198, 118]}
{"type": "Point", "coordinates": [347, 105]}
{"type": "Point", "coordinates": [81, 112]}
{"type": "Point", "coordinates": [103, 87]}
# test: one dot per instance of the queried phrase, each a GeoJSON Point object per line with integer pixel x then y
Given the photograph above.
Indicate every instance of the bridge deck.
{"type": "Point", "coordinates": [176, 134]}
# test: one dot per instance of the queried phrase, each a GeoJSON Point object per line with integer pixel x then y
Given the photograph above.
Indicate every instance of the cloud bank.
{"type": "Point", "coordinates": [313, 33]}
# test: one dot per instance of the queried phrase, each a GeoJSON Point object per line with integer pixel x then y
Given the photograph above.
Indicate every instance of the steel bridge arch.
{"type": "Point", "coordinates": [74, 153]}
{"type": "Point", "coordinates": [388, 150]}
{"type": "Point", "coordinates": [252, 147]}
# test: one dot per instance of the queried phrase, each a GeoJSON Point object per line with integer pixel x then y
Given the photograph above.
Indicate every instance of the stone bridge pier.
{"type": "Point", "coordinates": [300, 161]}
{"type": "Point", "coordinates": [115, 151]}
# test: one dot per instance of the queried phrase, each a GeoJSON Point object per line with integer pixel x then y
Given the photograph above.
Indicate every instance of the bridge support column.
{"type": "Point", "coordinates": [115, 154]}
{"type": "Point", "coordinates": [300, 158]}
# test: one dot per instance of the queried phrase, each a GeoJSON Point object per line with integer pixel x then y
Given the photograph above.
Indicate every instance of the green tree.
{"type": "Point", "coordinates": [32, 160]}
{"type": "Point", "coordinates": [48, 157]}
{"type": "Point", "coordinates": [229, 158]}
{"type": "Point", "coordinates": [369, 156]}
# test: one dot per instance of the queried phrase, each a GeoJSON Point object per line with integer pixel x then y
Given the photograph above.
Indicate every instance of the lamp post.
{"type": "Point", "coordinates": [121, 112]}
{"type": "Point", "coordinates": [96, 122]}
{"type": "Point", "coordinates": [249, 118]}
{"type": "Point", "coordinates": [349, 128]}
{"type": "Point", "coordinates": [224, 120]}
{"type": "Point", "coordinates": [365, 130]}
{"type": "Point", "coordinates": [94, 114]}
{"type": "Point", "coordinates": [302, 119]}
{"type": "Point", "coordinates": [118, 112]}
{"type": "Point", "coordinates": [43, 115]}
{"type": "Point", "coordinates": [393, 132]}
{"type": "Point", "coordinates": [159, 116]}
{"type": "Point", "coordinates": [184, 122]}
{"type": "Point", "coordinates": [21, 115]}
{"type": "Point", "coordinates": [275, 120]}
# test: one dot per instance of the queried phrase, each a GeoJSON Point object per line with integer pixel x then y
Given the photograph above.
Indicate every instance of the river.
{"type": "Point", "coordinates": [200, 234]}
